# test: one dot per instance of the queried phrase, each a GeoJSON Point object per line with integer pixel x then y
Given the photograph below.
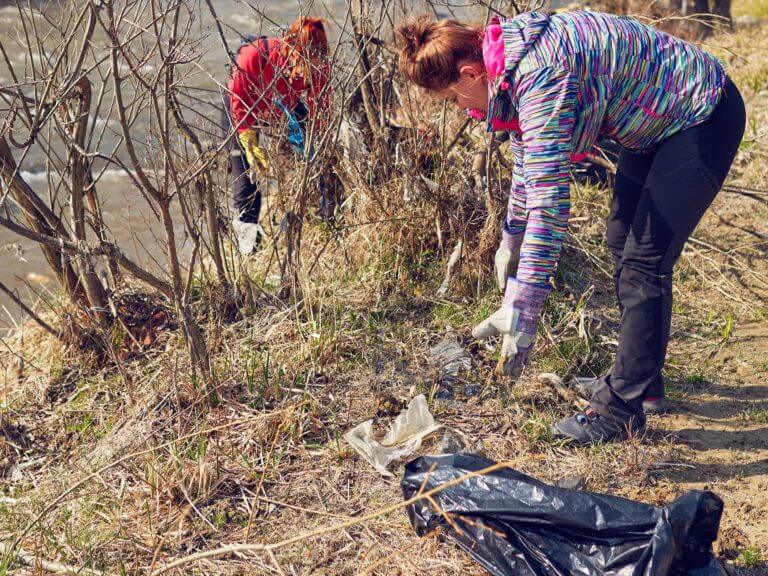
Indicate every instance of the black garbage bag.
{"type": "Point", "coordinates": [513, 524]}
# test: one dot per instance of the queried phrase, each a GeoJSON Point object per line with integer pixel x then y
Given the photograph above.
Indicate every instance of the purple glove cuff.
{"type": "Point", "coordinates": [520, 360]}
{"type": "Point", "coordinates": [528, 300]}
{"type": "Point", "coordinates": [512, 242]}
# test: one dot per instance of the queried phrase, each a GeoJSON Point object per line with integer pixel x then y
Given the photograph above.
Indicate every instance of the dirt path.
{"type": "Point", "coordinates": [721, 428]}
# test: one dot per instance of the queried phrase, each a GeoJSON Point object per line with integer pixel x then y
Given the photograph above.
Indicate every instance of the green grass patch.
{"type": "Point", "coordinates": [563, 356]}
{"type": "Point", "coordinates": [695, 378]}
{"type": "Point", "coordinates": [750, 557]}
{"type": "Point", "coordinates": [537, 430]}
{"type": "Point", "coordinates": [671, 392]}
{"type": "Point", "coordinates": [445, 313]}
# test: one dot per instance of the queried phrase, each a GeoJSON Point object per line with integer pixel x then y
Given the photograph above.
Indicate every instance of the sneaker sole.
{"type": "Point", "coordinates": [566, 440]}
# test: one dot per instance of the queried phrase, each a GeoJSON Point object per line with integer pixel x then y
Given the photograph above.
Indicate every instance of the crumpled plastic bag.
{"type": "Point", "coordinates": [451, 359]}
{"type": "Point", "coordinates": [511, 523]}
{"type": "Point", "coordinates": [403, 438]}
{"type": "Point", "coordinates": [294, 130]}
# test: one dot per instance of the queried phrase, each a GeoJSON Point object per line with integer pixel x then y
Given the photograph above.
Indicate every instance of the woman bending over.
{"type": "Point", "coordinates": [561, 83]}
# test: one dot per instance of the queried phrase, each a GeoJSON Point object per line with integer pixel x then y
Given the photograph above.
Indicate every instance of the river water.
{"type": "Point", "coordinates": [126, 214]}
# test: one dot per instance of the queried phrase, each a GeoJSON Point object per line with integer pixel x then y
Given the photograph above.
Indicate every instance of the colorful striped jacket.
{"type": "Point", "coordinates": [572, 79]}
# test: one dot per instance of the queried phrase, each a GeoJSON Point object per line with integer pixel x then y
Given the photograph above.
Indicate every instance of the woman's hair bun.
{"type": "Point", "coordinates": [431, 50]}
{"type": "Point", "coordinates": [415, 34]}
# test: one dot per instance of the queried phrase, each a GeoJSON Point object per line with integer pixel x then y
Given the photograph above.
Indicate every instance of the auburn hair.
{"type": "Point", "coordinates": [305, 39]}
{"type": "Point", "coordinates": [432, 50]}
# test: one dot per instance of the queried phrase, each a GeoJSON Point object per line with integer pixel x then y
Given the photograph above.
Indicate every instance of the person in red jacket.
{"type": "Point", "coordinates": [275, 82]}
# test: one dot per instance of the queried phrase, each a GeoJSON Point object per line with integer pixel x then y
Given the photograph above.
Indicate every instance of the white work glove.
{"type": "Point", "coordinates": [517, 321]}
{"type": "Point", "coordinates": [507, 257]}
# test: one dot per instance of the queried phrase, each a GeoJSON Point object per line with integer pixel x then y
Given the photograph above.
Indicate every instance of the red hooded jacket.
{"type": "Point", "coordinates": [261, 75]}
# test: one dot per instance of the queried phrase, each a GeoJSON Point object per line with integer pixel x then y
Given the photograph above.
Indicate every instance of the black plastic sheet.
{"type": "Point", "coordinates": [511, 523]}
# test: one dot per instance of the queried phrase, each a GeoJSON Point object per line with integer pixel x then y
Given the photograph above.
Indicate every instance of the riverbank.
{"type": "Point", "coordinates": [125, 471]}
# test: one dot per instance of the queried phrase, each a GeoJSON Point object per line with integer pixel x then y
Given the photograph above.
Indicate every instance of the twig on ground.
{"type": "Point", "coordinates": [232, 548]}
{"type": "Point", "coordinates": [34, 561]}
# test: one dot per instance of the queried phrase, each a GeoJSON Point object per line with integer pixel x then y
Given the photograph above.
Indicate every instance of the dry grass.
{"type": "Point", "coordinates": [154, 475]}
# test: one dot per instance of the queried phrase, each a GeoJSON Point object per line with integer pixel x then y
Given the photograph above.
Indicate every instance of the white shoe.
{"type": "Point", "coordinates": [248, 235]}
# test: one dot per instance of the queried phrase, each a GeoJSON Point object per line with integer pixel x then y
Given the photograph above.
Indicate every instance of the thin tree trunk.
{"type": "Point", "coordinates": [363, 69]}
{"type": "Point", "coordinates": [701, 8]}
{"type": "Point", "coordinates": [209, 199]}
{"type": "Point", "coordinates": [40, 222]}
{"type": "Point", "coordinates": [79, 182]}
{"type": "Point", "coordinates": [100, 228]}
{"type": "Point", "coordinates": [722, 8]}
{"type": "Point", "coordinates": [193, 337]}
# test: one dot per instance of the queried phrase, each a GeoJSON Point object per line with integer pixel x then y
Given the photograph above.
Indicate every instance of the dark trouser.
{"type": "Point", "coordinates": [658, 199]}
{"type": "Point", "coordinates": [246, 197]}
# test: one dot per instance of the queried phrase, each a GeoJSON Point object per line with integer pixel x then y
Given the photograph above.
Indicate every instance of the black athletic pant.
{"type": "Point", "coordinates": [658, 199]}
{"type": "Point", "coordinates": [246, 196]}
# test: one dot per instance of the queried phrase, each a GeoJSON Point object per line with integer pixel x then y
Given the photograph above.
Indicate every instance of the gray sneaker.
{"type": "Point", "coordinates": [653, 403]}
{"type": "Point", "coordinates": [589, 427]}
{"type": "Point", "coordinates": [585, 385]}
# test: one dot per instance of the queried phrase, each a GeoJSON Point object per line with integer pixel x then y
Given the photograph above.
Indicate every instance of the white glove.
{"type": "Point", "coordinates": [502, 322]}
{"type": "Point", "coordinates": [516, 321]}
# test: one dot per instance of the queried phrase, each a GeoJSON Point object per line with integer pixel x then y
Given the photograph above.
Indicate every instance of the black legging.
{"type": "Point", "coordinates": [658, 199]}
{"type": "Point", "coordinates": [246, 196]}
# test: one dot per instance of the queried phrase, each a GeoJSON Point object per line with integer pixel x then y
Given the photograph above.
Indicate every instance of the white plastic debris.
{"type": "Point", "coordinates": [450, 357]}
{"type": "Point", "coordinates": [452, 261]}
{"type": "Point", "coordinates": [562, 389]}
{"type": "Point", "coordinates": [555, 382]}
{"type": "Point", "coordinates": [455, 441]}
{"type": "Point", "coordinates": [431, 185]}
{"type": "Point", "coordinates": [404, 437]}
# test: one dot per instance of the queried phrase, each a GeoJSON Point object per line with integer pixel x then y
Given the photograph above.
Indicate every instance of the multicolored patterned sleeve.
{"type": "Point", "coordinates": [516, 219]}
{"type": "Point", "coordinates": [547, 115]}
